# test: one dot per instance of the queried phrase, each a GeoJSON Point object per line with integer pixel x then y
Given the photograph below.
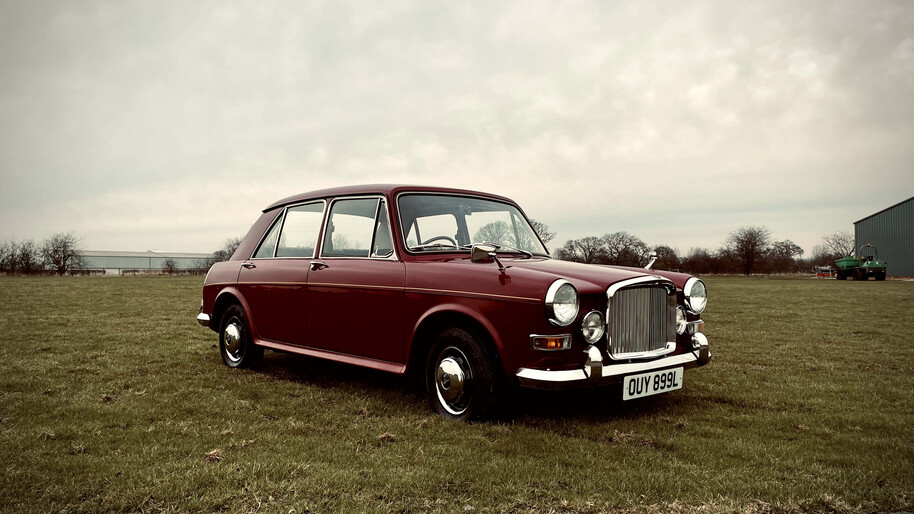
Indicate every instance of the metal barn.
{"type": "Point", "coordinates": [119, 262]}
{"type": "Point", "coordinates": [892, 231]}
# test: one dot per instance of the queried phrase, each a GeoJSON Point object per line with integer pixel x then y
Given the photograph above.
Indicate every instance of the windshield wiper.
{"type": "Point", "coordinates": [426, 246]}
{"type": "Point", "coordinates": [504, 248]}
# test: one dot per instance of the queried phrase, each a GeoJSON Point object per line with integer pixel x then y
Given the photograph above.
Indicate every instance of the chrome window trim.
{"type": "Point", "coordinates": [550, 300]}
{"type": "Point", "coordinates": [277, 220]}
{"type": "Point", "coordinates": [639, 281]}
{"type": "Point", "coordinates": [459, 195]}
{"type": "Point", "coordinates": [382, 202]}
{"type": "Point", "coordinates": [282, 226]}
{"type": "Point", "coordinates": [329, 209]}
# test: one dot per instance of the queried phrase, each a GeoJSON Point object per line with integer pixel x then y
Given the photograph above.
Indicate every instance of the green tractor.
{"type": "Point", "coordinates": [862, 267]}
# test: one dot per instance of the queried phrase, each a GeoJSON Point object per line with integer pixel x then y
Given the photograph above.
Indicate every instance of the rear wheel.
{"type": "Point", "coordinates": [460, 376]}
{"type": "Point", "coordinates": [859, 274]}
{"type": "Point", "coordinates": [841, 275]}
{"type": "Point", "coordinates": [235, 343]}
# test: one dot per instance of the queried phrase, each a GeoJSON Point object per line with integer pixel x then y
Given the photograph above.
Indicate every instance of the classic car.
{"type": "Point", "coordinates": [453, 285]}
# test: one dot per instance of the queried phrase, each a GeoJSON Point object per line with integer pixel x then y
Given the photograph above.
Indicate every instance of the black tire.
{"type": "Point", "coordinates": [461, 376]}
{"type": "Point", "coordinates": [859, 274]}
{"type": "Point", "coordinates": [235, 343]}
{"type": "Point", "coordinates": [880, 275]}
{"type": "Point", "coordinates": [841, 275]}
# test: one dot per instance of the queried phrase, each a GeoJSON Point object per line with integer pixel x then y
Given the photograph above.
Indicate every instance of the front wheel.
{"type": "Point", "coordinates": [460, 376]}
{"type": "Point", "coordinates": [235, 343]}
{"type": "Point", "coordinates": [880, 275]}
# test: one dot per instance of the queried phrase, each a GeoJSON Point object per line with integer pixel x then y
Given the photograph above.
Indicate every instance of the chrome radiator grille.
{"type": "Point", "coordinates": [639, 322]}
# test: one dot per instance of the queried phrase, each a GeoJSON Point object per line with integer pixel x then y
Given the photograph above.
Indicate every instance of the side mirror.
{"type": "Point", "coordinates": [485, 254]}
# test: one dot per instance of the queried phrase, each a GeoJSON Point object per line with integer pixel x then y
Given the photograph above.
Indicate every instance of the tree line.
{"type": "Point", "coordinates": [58, 254]}
{"type": "Point", "coordinates": [746, 250]}
{"type": "Point", "coordinates": [61, 254]}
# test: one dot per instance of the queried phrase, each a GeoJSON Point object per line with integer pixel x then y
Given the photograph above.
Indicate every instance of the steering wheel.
{"type": "Point", "coordinates": [439, 238]}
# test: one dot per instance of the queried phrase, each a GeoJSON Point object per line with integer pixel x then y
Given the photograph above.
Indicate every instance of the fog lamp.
{"type": "Point", "coordinates": [681, 322]}
{"type": "Point", "coordinates": [592, 326]}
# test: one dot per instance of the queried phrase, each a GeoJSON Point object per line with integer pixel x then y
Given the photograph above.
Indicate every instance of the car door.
{"type": "Point", "coordinates": [356, 287]}
{"type": "Point", "coordinates": [274, 280]}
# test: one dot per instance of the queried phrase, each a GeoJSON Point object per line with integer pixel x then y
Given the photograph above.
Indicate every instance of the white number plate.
{"type": "Point", "coordinates": [655, 382]}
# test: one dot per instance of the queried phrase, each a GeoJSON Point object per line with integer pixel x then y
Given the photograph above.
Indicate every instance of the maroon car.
{"type": "Point", "coordinates": [454, 285]}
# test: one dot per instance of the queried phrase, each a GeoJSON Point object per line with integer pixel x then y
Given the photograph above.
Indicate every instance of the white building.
{"type": "Point", "coordinates": [119, 262]}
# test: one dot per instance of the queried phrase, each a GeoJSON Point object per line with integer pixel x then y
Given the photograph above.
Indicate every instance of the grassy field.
{"type": "Point", "coordinates": [112, 398]}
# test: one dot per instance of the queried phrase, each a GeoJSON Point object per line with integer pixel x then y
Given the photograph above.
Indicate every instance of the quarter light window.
{"type": "Point", "coordinates": [300, 229]}
{"type": "Point", "coordinates": [383, 243]}
{"type": "Point", "coordinates": [269, 243]}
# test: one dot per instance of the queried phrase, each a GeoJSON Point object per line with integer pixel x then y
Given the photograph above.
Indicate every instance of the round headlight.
{"type": "Point", "coordinates": [561, 303]}
{"type": "Point", "coordinates": [592, 326]}
{"type": "Point", "coordinates": [681, 321]}
{"type": "Point", "coordinates": [696, 295]}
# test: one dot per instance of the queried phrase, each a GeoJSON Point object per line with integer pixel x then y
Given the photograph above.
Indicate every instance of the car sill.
{"type": "Point", "coordinates": [390, 367]}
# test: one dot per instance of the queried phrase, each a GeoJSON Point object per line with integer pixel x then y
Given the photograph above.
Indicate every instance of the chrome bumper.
{"type": "Point", "coordinates": [203, 319]}
{"type": "Point", "coordinates": [594, 372]}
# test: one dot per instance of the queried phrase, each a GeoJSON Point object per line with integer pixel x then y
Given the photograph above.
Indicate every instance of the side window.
{"type": "Point", "coordinates": [349, 228]}
{"type": "Point", "coordinates": [269, 243]}
{"type": "Point", "coordinates": [383, 243]}
{"type": "Point", "coordinates": [300, 230]}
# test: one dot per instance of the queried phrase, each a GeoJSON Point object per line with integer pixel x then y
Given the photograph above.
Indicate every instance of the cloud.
{"type": "Point", "coordinates": [170, 125]}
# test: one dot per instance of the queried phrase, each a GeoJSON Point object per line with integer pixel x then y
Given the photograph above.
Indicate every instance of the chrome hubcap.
{"type": "Point", "coordinates": [452, 378]}
{"type": "Point", "coordinates": [231, 338]}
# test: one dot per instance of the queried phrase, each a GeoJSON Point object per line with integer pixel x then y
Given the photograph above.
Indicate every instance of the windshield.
{"type": "Point", "coordinates": [441, 222]}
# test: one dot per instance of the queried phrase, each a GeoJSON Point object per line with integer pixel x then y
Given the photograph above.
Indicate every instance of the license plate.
{"type": "Point", "coordinates": [655, 382]}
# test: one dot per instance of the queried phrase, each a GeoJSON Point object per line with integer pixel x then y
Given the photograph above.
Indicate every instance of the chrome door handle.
{"type": "Point", "coordinates": [317, 265]}
{"type": "Point", "coordinates": [248, 265]}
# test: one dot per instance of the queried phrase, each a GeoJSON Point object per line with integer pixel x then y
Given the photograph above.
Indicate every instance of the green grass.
{"type": "Point", "coordinates": [111, 396]}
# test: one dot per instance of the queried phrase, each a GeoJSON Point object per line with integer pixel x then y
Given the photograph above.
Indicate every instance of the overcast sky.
{"type": "Point", "coordinates": [170, 125]}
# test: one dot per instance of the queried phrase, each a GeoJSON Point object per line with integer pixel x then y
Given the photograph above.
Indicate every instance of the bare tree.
{"type": "Point", "coordinates": [667, 258]}
{"type": "Point", "coordinates": [624, 249]}
{"type": "Point", "coordinates": [542, 230]}
{"type": "Point", "coordinates": [8, 252]}
{"type": "Point", "coordinates": [587, 249]}
{"type": "Point", "coordinates": [28, 257]}
{"type": "Point", "coordinates": [821, 256]}
{"type": "Point", "coordinates": [223, 254]}
{"type": "Point", "coordinates": [60, 253]}
{"type": "Point", "coordinates": [231, 244]}
{"type": "Point", "coordinates": [498, 232]}
{"type": "Point", "coordinates": [782, 256]}
{"type": "Point", "coordinates": [698, 261]}
{"type": "Point", "coordinates": [169, 266]}
{"type": "Point", "coordinates": [749, 245]}
{"type": "Point", "coordinates": [839, 244]}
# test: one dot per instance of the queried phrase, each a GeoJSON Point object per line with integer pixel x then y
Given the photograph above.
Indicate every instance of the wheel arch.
{"type": "Point", "coordinates": [441, 318]}
{"type": "Point", "coordinates": [227, 297]}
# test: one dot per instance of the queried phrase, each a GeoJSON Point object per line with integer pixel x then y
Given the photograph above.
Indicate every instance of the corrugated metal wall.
{"type": "Point", "coordinates": [892, 231]}
{"type": "Point", "coordinates": [139, 263]}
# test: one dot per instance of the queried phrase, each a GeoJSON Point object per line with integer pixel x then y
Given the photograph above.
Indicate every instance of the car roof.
{"type": "Point", "coordinates": [388, 190]}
